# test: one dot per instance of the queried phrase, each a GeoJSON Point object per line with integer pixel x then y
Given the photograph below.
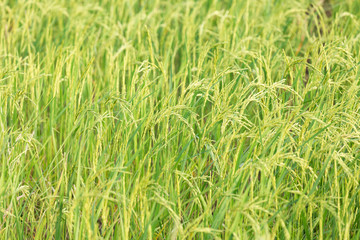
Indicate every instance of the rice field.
{"type": "Point", "coordinates": [169, 119]}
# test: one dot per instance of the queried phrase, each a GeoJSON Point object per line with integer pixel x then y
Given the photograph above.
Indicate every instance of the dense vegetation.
{"type": "Point", "coordinates": [166, 119]}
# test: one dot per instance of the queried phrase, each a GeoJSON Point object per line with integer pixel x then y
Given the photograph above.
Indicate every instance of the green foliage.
{"type": "Point", "coordinates": [156, 119]}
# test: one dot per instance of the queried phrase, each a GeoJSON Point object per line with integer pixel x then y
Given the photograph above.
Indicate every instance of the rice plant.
{"type": "Point", "coordinates": [168, 119]}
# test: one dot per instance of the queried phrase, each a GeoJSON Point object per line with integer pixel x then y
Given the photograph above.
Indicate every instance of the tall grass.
{"type": "Point", "coordinates": [156, 119]}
